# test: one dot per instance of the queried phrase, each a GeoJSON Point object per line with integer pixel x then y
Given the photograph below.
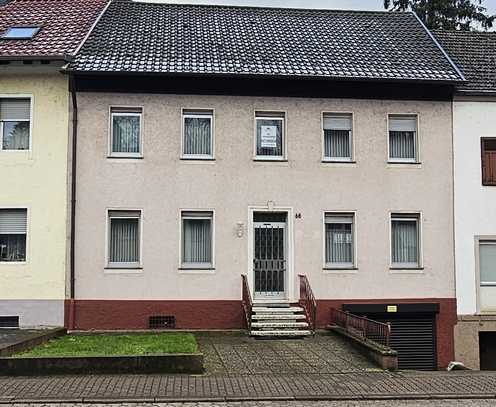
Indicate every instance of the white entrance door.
{"type": "Point", "coordinates": [269, 260]}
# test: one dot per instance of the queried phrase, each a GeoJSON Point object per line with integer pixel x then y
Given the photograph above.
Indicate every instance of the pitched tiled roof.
{"type": "Point", "coordinates": [64, 24]}
{"type": "Point", "coordinates": [227, 40]}
{"type": "Point", "coordinates": [475, 54]}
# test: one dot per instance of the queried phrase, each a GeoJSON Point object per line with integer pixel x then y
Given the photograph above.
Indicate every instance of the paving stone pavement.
{"type": "Point", "coordinates": [240, 354]}
{"type": "Point", "coordinates": [345, 403]}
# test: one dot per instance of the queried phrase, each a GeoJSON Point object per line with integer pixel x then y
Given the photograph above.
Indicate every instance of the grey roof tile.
{"type": "Point", "coordinates": [475, 54]}
{"type": "Point", "coordinates": [227, 40]}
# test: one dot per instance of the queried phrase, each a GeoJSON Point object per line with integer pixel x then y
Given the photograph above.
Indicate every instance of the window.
{"type": "Point", "coordinates": [15, 116]}
{"type": "Point", "coordinates": [488, 154]}
{"type": "Point", "coordinates": [269, 136]}
{"type": "Point", "coordinates": [124, 249]}
{"type": "Point", "coordinates": [405, 240]}
{"type": "Point", "coordinates": [20, 33]}
{"type": "Point", "coordinates": [198, 134]}
{"type": "Point", "coordinates": [125, 132]}
{"type": "Point", "coordinates": [487, 262]}
{"type": "Point", "coordinates": [402, 138]}
{"type": "Point", "coordinates": [197, 239]}
{"type": "Point", "coordinates": [337, 137]}
{"type": "Point", "coordinates": [13, 231]}
{"type": "Point", "coordinates": [339, 240]}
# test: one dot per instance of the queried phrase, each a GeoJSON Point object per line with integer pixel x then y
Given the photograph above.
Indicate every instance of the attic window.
{"type": "Point", "coordinates": [20, 33]}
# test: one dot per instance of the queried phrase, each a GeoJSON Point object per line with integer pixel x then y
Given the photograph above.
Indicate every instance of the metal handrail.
{"type": "Point", "coordinates": [308, 302]}
{"type": "Point", "coordinates": [366, 329]}
{"type": "Point", "coordinates": [246, 300]}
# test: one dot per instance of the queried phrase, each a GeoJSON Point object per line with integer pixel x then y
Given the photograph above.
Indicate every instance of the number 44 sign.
{"type": "Point", "coordinates": [268, 137]}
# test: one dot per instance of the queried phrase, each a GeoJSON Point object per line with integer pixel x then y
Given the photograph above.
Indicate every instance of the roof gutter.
{"type": "Point", "coordinates": [433, 38]}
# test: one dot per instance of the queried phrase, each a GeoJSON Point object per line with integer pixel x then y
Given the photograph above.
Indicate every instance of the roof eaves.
{"type": "Point", "coordinates": [265, 76]}
{"type": "Point", "coordinates": [458, 71]}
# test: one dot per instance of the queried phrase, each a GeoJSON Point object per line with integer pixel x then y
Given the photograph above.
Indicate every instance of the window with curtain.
{"type": "Point", "coordinates": [125, 132]}
{"type": "Point", "coordinates": [198, 134]}
{"type": "Point", "coordinates": [405, 240]}
{"type": "Point", "coordinates": [13, 231]}
{"type": "Point", "coordinates": [15, 118]}
{"type": "Point", "coordinates": [270, 135]}
{"type": "Point", "coordinates": [337, 137]}
{"type": "Point", "coordinates": [124, 238]}
{"type": "Point", "coordinates": [197, 236]}
{"type": "Point", "coordinates": [403, 138]}
{"type": "Point", "coordinates": [339, 240]}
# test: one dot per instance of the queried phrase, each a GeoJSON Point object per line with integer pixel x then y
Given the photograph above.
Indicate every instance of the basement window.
{"type": "Point", "coordinates": [20, 33]}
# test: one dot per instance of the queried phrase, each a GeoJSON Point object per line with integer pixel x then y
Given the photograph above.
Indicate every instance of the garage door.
{"type": "Point", "coordinates": [415, 341]}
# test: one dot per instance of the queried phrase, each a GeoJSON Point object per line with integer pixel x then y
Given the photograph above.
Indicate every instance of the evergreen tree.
{"type": "Point", "coordinates": [462, 15]}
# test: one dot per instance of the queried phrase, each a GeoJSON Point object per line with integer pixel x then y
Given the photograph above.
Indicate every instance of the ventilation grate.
{"type": "Point", "coordinates": [162, 322]}
{"type": "Point", "coordinates": [9, 322]}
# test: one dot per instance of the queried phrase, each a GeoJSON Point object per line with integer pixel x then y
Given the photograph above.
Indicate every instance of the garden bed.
{"type": "Point", "coordinates": [109, 353]}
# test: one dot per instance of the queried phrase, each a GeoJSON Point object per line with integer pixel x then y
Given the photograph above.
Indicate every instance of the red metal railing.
{"type": "Point", "coordinates": [246, 300]}
{"type": "Point", "coordinates": [367, 329]}
{"type": "Point", "coordinates": [308, 302]}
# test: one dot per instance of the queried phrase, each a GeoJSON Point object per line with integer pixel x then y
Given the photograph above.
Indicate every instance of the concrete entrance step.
{"type": "Point", "coordinates": [279, 324]}
{"type": "Point", "coordinates": [281, 333]}
{"type": "Point", "coordinates": [278, 316]}
{"type": "Point", "coordinates": [276, 310]}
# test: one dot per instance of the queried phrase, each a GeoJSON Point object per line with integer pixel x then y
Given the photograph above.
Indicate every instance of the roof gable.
{"type": "Point", "coordinates": [63, 25]}
{"type": "Point", "coordinates": [226, 40]}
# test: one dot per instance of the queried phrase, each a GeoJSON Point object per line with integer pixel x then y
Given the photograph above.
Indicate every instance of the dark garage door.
{"type": "Point", "coordinates": [414, 338]}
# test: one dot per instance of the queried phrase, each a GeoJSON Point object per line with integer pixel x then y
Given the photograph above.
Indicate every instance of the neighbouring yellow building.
{"type": "Point", "coordinates": [36, 39]}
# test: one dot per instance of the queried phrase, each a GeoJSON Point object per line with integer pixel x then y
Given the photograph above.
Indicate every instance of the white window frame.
{"type": "Point", "coordinates": [123, 266]}
{"type": "Point", "coordinates": [138, 113]}
{"type": "Point", "coordinates": [271, 115]}
{"type": "Point", "coordinates": [340, 266]}
{"type": "Point", "coordinates": [28, 235]}
{"type": "Point", "coordinates": [349, 159]}
{"type": "Point", "coordinates": [416, 159]}
{"type": "Point", "coordinates": [197, 267]}
{"type": "Point", "coordinates": [195, 114]}
{"type": "Point", "coordinates": [414, 216]}
{"type": "Point", "coordinates": [479, 240]}
{"type": "Point", "coordinates": [31, 110]}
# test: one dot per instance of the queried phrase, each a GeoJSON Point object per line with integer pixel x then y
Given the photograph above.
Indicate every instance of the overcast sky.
{"type": "Point", "coordinates": [327, 4]}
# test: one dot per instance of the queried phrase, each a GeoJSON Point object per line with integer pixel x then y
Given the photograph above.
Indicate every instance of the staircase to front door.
{"type": "Point", "coordinates": [279, 320]}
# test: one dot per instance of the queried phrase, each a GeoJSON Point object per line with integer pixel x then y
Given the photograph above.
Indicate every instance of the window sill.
{"type": "Point", "coordinates": [340, 270]}
{"type": "Point", "coordinates": [406, 270]}
{"type": "Point", "coordinates": [270, 160]}
{"type": "Point", "coordinates": [338, 161]}
{"type": "Point", "coordinates": [197, 158]}
{"type": "Point", "coordinates": [124, 157]}
{"type": "Point", "coordinates": [123, 270]}
{"type": "Point", "coordinates": [199, 270]}
{"type": "Point", "coordinates": [404, 162]}
{"type": "Point", "coordinates": [13, 263]}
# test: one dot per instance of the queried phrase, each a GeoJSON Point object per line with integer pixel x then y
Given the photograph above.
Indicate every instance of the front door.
{"type": "Point", "coordinates": [269, 262]}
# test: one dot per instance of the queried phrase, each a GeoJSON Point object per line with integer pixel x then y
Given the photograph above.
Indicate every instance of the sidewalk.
{"type": "Point", "coordinates": [161, 388]}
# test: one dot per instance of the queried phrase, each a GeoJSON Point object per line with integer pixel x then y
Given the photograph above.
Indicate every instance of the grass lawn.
{"type": "Point", "coordinates": [115, 344]}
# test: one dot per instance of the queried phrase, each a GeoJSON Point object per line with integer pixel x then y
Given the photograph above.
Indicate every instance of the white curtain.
{"type": "Point", "coordinates": [124, 240]}
{"type": "Point", "coordinates": [197, 240]}
{"type": "Point", "coordinates": [339, 243]}
{"type": "Point", "coordinates": [404, 241]}
{"type": "Point", "coordinates": [197, 136]}
{"type": "Point", "coordinates": [337, 143]}
{"type": "Point", "coordinates": [126, 134]}
{"type": "Point", "coordinates": [402, 134]}
{"type": "Point", "coordinates": [15, 116]}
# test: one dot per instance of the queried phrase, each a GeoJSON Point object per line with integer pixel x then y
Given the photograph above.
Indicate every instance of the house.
{"type": "Point", "coordinates": [220, 141]}
{"type": "Point", "coordinates": [474, 137]}
{"type": "Point", "coordinates": [36, 39]}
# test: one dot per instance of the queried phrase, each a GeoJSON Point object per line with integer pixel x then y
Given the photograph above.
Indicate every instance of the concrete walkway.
{"type": "Point", "coordinates": [241, 355]}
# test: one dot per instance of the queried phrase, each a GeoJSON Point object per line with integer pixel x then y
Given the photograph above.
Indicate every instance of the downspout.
{"type": "Point", "coordinates": [72, 305]}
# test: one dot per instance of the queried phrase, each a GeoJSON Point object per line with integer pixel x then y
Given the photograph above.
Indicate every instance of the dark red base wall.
{"type": "Point", "coordinates": [445, 320]}
{"type": "Point", "coordinates": [134, 314]}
